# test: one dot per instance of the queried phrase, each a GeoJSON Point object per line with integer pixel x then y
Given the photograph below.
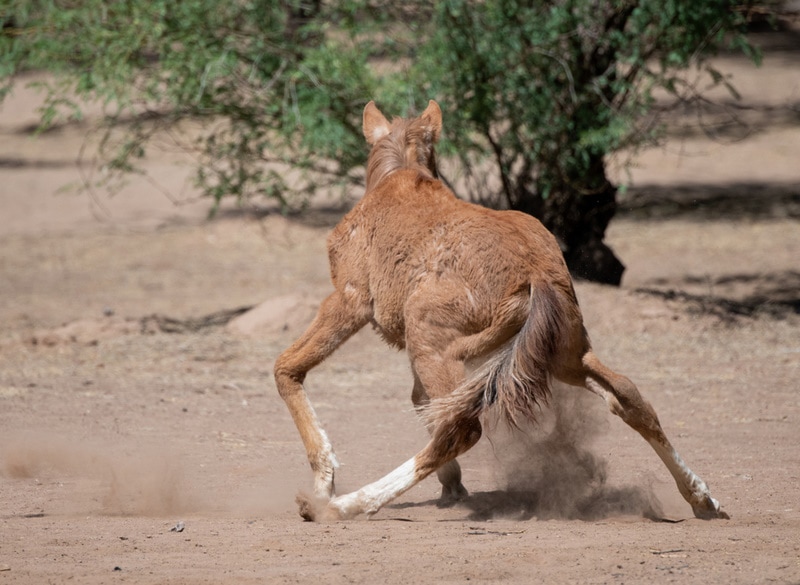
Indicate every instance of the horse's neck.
{"type": "Point", "coordinates": [390, 157]}
{"type": "Point", "coordinates": [404, 196]}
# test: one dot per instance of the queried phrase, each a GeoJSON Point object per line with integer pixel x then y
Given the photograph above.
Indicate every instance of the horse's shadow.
{"type": "Point", "coordinates": [599, 504]}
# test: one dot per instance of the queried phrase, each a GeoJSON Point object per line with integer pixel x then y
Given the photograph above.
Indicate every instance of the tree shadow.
{"type": "Point", "coordinates": [317, 215]}
{"type": "Point", "coordinates": [726, 121]}
{"type": "Point", "coordinates": [732, 296]}
{"type": "Point", "coordinates": [8, 162]}
{"type": "Point", "coordinates": [702, 202]}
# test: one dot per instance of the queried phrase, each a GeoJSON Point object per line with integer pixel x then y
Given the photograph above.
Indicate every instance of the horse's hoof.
{"type": "Point", "coordinates": [709, 509]}
{"type": "Point", "coordinates": [452, 495]}
{"type": "Point", "coordinates": [314, 509]}
{"type": "Point", "coordinates": [307, 507]}
{"type": "Point", "coordinates": [711, 515]}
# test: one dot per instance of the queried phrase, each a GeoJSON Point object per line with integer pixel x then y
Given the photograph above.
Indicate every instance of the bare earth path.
{"type": "Point", "coordinates": [114, 432]}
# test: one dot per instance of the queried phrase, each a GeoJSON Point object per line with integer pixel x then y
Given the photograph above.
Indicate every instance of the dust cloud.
{"type": "Point", "coordinates": [129, 480]}
{"type": "Point", "coordinates": [145, 483]}
{"type": "Point", "coordinates": [546, 471]}
{"type": "Point", "coordinates": [549, 469]}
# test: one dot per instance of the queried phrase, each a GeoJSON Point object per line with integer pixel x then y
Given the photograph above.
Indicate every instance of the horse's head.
{"type": "Point", "coordinates": [402, 143]}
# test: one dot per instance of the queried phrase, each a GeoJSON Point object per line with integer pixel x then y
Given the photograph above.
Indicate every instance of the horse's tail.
{"type": "Point", "coordinates": [516, 377]}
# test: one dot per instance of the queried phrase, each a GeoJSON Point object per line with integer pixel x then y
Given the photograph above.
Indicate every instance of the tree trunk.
{"type": "Point", "coordinates": [586, 253]}
{"type": "Point", "coordinates": [578, 212]}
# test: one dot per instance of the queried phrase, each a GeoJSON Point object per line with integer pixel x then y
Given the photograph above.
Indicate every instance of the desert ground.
{"type": "Point", "coordinates": [142, 439]}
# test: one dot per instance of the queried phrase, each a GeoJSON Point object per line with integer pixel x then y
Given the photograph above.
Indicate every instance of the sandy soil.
{"type": "Point", "coordinates": [142, 442]}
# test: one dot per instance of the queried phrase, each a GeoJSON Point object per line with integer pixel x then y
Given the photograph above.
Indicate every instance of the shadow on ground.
{"type": "Point", "coordinates": [733, 295]}
{"type": "Point", "coordinates": [703, 202]}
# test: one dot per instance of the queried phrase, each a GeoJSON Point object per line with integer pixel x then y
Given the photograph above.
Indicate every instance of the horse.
{"type": "Point", "coordinates": [482, 302]}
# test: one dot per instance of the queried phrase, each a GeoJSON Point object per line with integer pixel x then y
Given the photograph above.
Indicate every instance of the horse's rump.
{"type": "Point", "coordinates": [516, 377]}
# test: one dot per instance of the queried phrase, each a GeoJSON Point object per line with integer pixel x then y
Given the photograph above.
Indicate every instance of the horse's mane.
{"type": "Point", "coordinates": [409, 145]}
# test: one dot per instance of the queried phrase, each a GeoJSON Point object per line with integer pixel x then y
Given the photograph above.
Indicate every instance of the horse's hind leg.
{"type": "Point", "coordinates": [438, 349]}
{"type": "Point", "coordinates": [624, 400]}
{"type": "Point", "coordinates": [335, 322]}
{"type": "Point", "coordinates": [449, 474]}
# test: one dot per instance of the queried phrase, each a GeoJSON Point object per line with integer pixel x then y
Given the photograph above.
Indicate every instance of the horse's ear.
{"type": "Point", "coordinates": [433, 117]}
{"type": "Point", "coordinates": [376, 126]}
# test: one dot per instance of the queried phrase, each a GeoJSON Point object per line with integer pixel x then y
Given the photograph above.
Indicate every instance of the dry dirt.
{"type": "Point", "coordinates": [142, 442]}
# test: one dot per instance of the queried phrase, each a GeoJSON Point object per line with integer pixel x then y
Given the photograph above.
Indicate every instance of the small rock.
{"type": "Point", "coordinates": [178, 527]}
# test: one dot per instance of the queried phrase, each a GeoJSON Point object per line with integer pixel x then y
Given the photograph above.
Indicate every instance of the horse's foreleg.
{"type": "Point", "coordinates": [624, 400]}
{"type": "Point", "coordinates": [448, 442]}
{"type": "Point", "coordinates": [334, 324]}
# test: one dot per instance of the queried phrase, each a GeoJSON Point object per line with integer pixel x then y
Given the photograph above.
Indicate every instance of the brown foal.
{"type": "Point", "coordinates": [481, 300]}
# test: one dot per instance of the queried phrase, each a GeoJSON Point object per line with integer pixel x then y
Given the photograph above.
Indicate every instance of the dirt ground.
{"type": "Point", "coordinates": [142, 442]}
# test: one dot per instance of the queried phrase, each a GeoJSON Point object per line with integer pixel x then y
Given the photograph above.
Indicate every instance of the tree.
{"type": "Point", "coordinates": [536, 94]}
{"type": "Point", "coordinates": [253, 88]}
{"type": "Point", "coordinates": [544, 91]}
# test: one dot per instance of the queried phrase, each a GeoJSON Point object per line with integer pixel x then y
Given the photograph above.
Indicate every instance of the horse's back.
{"type": "Point", "coordinates": [411, 225]}
{"type": "Point", "coordinates": [411, 235]}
